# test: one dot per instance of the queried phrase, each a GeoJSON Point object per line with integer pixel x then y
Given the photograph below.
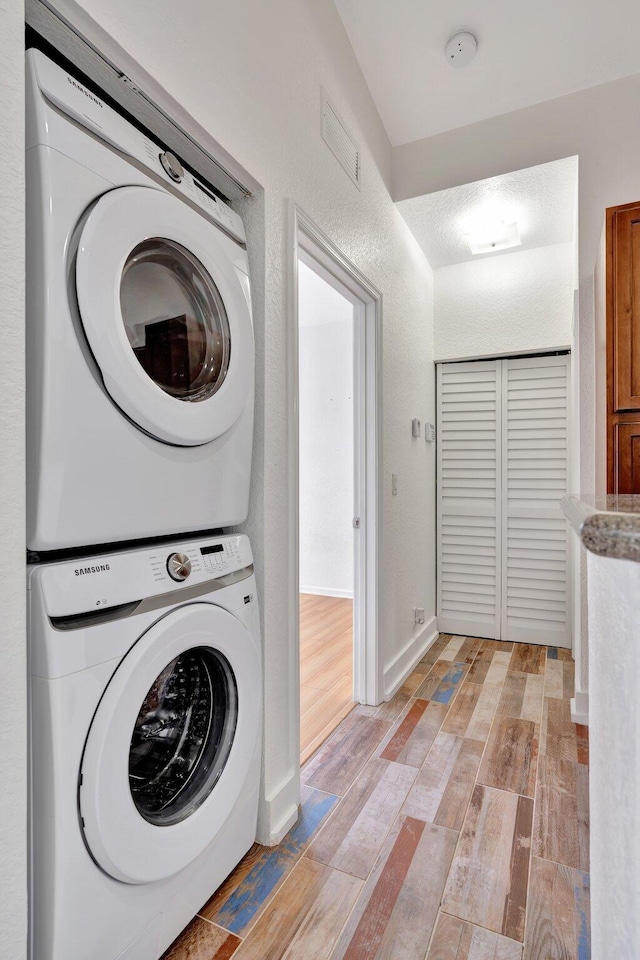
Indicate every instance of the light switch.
{"type": "Point", "coordinates": [415, 428]}
{"type": "Point", "coordinates": [394, 484]}
{"type": "Point", "coordinates": [429, 433]}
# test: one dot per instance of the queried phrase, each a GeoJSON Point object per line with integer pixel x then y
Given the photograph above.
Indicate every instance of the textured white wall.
{"type": "Point", "coordinates": [251, 73]}
{"type": "Point", "coordinates": [614, 670]}
{"type": "Point", "coordinates": [13, 768]}
{"type": "Point", "coordinates": [511, 303]}
{"type": "Point", "coordinates": [326, 442]}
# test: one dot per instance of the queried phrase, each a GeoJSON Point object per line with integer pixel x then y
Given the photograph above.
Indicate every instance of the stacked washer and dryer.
{"type": "Point", "coordinates": [144, 641]}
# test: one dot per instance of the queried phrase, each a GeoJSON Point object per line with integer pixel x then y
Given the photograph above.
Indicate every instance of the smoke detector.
{"type": "Point", "coordinates": [461, 49]}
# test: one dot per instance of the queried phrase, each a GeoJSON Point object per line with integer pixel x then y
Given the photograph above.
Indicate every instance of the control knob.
{"type": "Point", "coordinates": [172, 166]}
{"type": "Point", "coordinates": [178, 566]}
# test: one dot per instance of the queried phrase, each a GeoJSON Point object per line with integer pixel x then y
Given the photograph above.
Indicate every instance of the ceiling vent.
{"type": "Point", "coordinates": [339, 141]}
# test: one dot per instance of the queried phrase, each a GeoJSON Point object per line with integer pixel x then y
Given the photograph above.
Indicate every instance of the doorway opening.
{"type": "Point", "coordinates": [326, 434]}
{"type": "Point", "coordinates": [335, 522]}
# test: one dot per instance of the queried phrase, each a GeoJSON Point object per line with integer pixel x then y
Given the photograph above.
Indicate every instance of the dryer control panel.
{"type": "Point", "coordinates": [69, 96]}
{"type": "Point", "coordinates": [81, 586]}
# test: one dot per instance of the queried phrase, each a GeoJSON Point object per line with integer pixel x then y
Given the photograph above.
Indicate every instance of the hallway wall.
{"type": "Point", "coordinates": [510, 303]}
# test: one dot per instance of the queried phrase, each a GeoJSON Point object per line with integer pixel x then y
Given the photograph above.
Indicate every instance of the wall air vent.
{"type": "Point", "coordinates": [339, 141]}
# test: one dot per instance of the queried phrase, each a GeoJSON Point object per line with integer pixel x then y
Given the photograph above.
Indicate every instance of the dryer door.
{"type": "Point", "coordinates": [165, 310]}
{"type": "Point", "coordinates": [171, 744]}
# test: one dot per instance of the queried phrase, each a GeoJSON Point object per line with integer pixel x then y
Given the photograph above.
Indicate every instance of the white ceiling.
{"type": "Point", "coordinates": [541, 199]}
{"type": "Point", "coordinates": [528, 52]}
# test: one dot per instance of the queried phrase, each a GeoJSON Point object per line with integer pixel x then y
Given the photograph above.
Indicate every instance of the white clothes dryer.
{"type": "Point", "coordinates": [140, 351]}
{"type": "Point", "coordinates": [145, 742]}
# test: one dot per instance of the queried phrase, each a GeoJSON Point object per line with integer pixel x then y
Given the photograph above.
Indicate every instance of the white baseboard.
{"type": "Point", "coordinates": [580, 708]}
{"type": "Point", "coordinates": [400, 668]}
{"type": "Point", "coordinates": [327, 592]}
{"type": "Point", "coordinates": [278, 812]}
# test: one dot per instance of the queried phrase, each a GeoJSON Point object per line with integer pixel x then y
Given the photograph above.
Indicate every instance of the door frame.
{"type": "Point", "coordinates": [310, 244]}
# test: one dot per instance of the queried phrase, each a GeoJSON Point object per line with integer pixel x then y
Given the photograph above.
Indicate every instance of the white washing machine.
{"type": "Point", "coordinates": [140, 351]}
{"type": "Point", "coordinates": [146, 693]}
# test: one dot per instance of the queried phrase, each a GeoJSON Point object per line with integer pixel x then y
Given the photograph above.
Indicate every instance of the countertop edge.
{"type": "Point", "coordinates": [606, 533]}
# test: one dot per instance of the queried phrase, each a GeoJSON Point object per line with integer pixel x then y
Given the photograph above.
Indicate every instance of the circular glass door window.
{"type": "Point", "coordinates": [175, 320]}
{"type": "Point", "coordinates": [183, 735]}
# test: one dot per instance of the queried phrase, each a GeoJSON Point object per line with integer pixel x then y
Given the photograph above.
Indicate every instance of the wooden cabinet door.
{"type": "Point", "coordinates": [626, 445]}
{"type": "Point", "coordinates": [625, 329]}
{"type": "Point", "coordinates": [623, 349]}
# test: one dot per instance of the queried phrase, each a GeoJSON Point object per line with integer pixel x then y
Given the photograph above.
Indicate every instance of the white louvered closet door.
{"type": "Point", "coordinates": [502, 468]}
{"type": "Point", "coordinates": [469, 464]}
{"type": "Point", "coordinates": [535, 549]}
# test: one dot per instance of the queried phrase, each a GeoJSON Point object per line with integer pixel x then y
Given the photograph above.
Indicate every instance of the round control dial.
{"type": "Point", "coordinates": [178, 566]}
{"type": "Point", "coordinates": [172, 166]}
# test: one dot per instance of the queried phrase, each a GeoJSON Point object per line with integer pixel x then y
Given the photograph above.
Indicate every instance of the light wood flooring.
{"type": "Point", "coordinates": [448, 824]}
{"type": "Point", "coordinates": [326, 668]}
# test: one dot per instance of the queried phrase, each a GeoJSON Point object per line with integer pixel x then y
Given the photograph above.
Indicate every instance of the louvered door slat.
{"type": "Point", "coordinates": [535, 470]}
{"type": "Point", "coordinates": [502, 469]}
{"type": "Point", "coordinates": [469, 464]}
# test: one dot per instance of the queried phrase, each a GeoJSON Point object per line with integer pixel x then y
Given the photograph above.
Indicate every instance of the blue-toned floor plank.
{"type": "Point", "coordinates": [582, 916]}
{"type": "Point", "coordinates": [237, 912]}
{"type": "Point", "coordinates": [449, 683]}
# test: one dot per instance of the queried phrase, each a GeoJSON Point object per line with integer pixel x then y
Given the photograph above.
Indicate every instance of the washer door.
{"type": "Point", "coordinates": [165, 314]}
{"type": "Point", "coordinates": [171, 744]}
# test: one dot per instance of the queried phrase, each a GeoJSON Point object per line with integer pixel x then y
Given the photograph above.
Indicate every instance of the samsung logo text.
{"type": "Point", "coordinates": [82, 571]}
{"type": "Point", "coordinates": [86, 92]}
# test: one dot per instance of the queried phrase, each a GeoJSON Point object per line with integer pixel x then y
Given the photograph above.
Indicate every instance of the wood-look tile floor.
{"type": "Point", "coordinates": [326, 668]}
{"type": "Point", "coordinates": [448, 824]}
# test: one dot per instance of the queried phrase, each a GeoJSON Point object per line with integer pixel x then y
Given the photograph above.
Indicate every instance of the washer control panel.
{"type": "Point", "coordinates": [80, 586]}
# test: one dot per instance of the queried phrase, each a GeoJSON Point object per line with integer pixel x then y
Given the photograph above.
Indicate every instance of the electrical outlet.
{"type": "Point", "coordinates": [418, 615]}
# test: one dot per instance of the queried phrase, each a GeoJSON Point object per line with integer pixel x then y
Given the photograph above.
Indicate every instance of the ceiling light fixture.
{"type": "Point", "coordinates": [491, 236]}
{"type": "Point", "coordinates": [461, 49]}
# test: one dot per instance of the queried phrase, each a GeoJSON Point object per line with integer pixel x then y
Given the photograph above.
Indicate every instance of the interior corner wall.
{"type": "Point", "coordinates": [257, 89]}
{"type": "Point", "coordinates": [13, 704]}
{"type": "Point", "coordinates": [515, 302]}
{"type": "Point", "coordinates": [326, 416]}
